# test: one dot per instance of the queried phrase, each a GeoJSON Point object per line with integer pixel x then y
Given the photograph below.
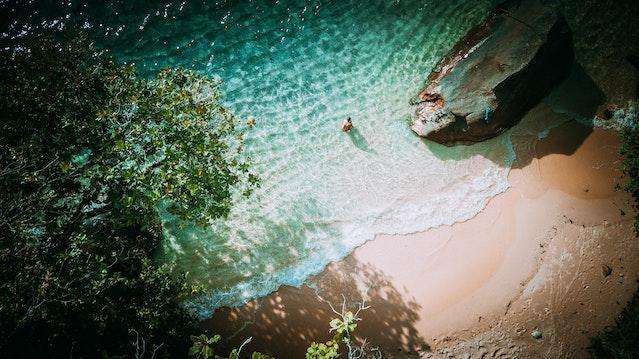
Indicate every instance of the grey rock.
{"type": "Point", "coordinates": [536, 334]}
{"type": "Point", "coordinates": [500, 70]}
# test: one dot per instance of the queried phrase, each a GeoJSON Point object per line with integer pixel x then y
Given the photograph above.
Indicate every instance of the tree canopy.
{"type": "Point", "coordinates": [88, 151]}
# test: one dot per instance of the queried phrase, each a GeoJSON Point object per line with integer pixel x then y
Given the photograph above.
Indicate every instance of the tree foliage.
{"type": "Point", "coordinates": [622, 341]}
{"type": "Point", "coordinates": [88, 152]}
{"type": "Point", "coordinates": [630, 165]}
{"type": "Point", "coordinates": [204, 348]}
{"type": "Point", "coordinates": [343, 327]}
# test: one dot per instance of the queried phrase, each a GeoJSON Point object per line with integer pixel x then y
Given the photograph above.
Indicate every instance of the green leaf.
{"type": "Point", "coordinates": [194, 350]}
{"type": "Point", "coordinates": [207, 352]}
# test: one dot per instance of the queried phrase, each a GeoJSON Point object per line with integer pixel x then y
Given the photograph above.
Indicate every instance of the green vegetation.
{"type": "Point", "coordinates": [204, 348]}
{"type": "Point", "coordinates": [622, 341]}
{"type": "Point", "coordinates": [88, 151]}
{"type": "Point", "coordinates": [630, 166]}
{"type": "Point", "coordinates": [328, 350]}
{"type": "Point", "coordinates": [344, 327]}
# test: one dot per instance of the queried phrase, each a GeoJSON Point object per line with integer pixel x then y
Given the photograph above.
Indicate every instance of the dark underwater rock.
{"type": "Point", "coordinates": [501, 69]}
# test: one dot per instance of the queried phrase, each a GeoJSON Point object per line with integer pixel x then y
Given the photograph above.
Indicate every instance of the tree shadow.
{"type": "Point", "coordinates": [359, 140]}
{"type": "Point", "coordinates": [573, 103]}
{"type": "Point", "coordinates": [286, 322]}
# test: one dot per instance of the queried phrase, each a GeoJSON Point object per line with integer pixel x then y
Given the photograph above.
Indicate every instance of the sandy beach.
{"type": "Point", "coordinates": [554, 253]}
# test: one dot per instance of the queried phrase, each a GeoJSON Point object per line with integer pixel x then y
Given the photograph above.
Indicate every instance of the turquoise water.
{"type": "Point", "coordinates": [299, 68]}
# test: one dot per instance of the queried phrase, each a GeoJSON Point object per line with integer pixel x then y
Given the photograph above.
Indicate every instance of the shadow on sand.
{"type": "Point", "coordinates": [577, 98]}
{"type": "Point", "coordinates": [285, 323]}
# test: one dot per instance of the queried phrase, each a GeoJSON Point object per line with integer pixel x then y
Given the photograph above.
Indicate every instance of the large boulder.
{"type": "Point", "coordinates": [501, 69]}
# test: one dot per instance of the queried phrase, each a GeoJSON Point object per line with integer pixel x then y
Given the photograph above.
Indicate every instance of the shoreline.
{"type": "Point", "coordinates": [486, 283]}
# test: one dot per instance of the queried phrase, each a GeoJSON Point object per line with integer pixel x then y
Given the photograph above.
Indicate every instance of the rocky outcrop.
{"type": "Point", "coordinates": [501, 69]}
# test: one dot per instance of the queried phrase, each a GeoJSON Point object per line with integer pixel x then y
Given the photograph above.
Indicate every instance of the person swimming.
{"type": "Point", "coordinates": [347, 125]}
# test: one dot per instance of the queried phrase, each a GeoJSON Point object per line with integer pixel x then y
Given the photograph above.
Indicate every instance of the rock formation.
{"type": "Point", "coordinates": [501, 69]}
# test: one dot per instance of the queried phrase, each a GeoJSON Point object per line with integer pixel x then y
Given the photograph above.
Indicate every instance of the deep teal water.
{"type": "Point", "coordinates": [299, 68]}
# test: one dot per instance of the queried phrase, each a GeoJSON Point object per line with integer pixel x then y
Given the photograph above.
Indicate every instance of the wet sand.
{"type": "Point", "coordinates": [554, 253]}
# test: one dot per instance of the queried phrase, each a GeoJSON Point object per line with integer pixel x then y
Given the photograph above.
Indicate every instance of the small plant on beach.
{"type": "Point", "coordinates": [343, 327]}
{"type": "Point", "coordinates": [204, 348]}
{"type": "Point", "coordinates": [328, 350]}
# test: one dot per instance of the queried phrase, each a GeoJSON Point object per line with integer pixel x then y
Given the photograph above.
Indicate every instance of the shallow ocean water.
{"type": "Point", "coordinates": [299, 68]}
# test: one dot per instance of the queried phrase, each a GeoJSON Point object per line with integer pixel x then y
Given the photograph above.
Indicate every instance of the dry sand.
{"type": "Point", "coordinates": [555, 252]}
